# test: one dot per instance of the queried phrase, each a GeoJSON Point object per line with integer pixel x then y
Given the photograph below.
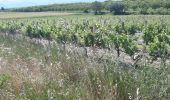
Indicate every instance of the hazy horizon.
{"type": "Point", "coordinates": [23, 3]}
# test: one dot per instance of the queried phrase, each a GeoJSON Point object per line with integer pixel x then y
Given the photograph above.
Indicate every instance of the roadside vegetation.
{"type": "Point", "coordinates": [59, 52]}
{"type": "Point", "coordinates": [39, 70]}
{"type": "Point", "coordinates": [85, 57]}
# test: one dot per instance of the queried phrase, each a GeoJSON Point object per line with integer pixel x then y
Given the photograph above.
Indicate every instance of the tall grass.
{"type": "Point", "coordinates": [33, 71]}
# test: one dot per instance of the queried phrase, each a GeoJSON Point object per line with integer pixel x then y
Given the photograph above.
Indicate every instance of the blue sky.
{"type": "Point", "coordinates": [24, 3]}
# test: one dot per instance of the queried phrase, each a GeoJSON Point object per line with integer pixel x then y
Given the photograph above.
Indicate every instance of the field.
{"type": "Point", "coordinates": [10, 15]}
{"type": "Point", "coordinates": [84, 57]}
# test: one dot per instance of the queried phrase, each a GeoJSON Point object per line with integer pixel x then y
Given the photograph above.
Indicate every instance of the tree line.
{"type": "Point", "coordinates": [109, 6]}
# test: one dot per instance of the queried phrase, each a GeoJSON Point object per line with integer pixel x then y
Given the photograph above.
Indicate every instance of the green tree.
{"type": "Point", "coordinates": [97, 7]}
{"type": "Point", "coordinates": [117, 8]}
{"type": "Point", "coordinates": [2, 8]}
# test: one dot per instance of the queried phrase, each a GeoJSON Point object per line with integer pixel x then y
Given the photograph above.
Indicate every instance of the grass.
{"type": "Point", "coordinates": [32, 69]}
{"type": "Point", "coordinates": [39, 71]}
{"type": "Point", "coordinates": [10, 15]}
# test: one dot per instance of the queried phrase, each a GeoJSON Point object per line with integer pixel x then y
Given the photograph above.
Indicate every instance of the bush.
{"type": "Point", "coordinates": [3, 79]}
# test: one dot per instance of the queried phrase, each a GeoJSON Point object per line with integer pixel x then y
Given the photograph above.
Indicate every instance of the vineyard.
{"type": "Point", "coordinates": [133, 35]}
{"type": "Point", "coordinates": [86, 57]}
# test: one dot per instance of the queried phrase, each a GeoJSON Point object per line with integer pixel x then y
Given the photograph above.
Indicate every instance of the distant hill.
{"type": "Point", "coordinates": [55, 7]}
{"type": "Point", "coordinates": [117, 7]}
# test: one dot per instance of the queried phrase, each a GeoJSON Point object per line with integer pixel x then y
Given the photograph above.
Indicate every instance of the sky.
{"type": "Point", "coordinates": [25, 3]}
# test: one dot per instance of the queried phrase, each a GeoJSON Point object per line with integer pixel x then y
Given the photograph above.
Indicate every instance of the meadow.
{"type": "Point", "coordinates": [10, 15]}
{"type": "Point", "coordinates": [84, 57]}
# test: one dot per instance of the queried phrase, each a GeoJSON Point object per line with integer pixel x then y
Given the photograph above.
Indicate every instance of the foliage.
{"type": "Point", "coordinates": [56, 7]}
{"type": "Point", "coordinates": [158, 48]}
{"type": "Point", "coordinates": [2, 8]}
{"type": "Point", "coordinates": [3, 79]}
{"type": "Point", "coordinates": [97, 7]}
{"type": "Point", "coordinates": [117, 8]}
{"type": "Point", "coordinates": [98, 32]}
